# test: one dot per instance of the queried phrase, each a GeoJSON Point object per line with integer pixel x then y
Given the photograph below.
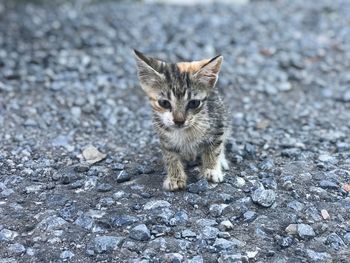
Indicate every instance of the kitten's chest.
{"type": "Point", "coordinates": [185, 143]}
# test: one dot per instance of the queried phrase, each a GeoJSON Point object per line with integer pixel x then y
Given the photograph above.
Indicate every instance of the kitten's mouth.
{"type": "Point", "coordinates": [180, 127]}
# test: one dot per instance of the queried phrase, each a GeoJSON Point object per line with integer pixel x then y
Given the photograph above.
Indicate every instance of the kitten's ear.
{"type": "Point", "coordinates": [148, 71]}
{"type": "Point", "coordinates": [208, 73]}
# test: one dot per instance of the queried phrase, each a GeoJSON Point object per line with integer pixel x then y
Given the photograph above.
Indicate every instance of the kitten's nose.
{"type": "Point", "coordinates": [179, 122]}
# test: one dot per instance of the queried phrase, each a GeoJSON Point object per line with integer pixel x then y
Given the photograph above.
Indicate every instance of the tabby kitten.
{"type": "Point", "coordinates": [188, 115]}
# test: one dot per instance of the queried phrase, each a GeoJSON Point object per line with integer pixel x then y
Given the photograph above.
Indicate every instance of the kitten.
{"type": "Point", "coordinates": [188, 113]}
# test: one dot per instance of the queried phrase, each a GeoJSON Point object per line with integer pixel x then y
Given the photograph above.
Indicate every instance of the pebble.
{"type": "Point", "coordinates": [7, 235]}
{"type": "Point", "coordinates": [347, 238]}
{"type": "Point", "coordinates": [326, 184]}
{"type": "Point", "coordinates": [265, 198]}
{"type": "Point", "coordinates": [123, 220]}
{"type": "Point", "coordinates": [226, 224]}
{"type": "Point", "coordinates": [292, 229]}
{"type": "Point", "coordinates": [118, 195]}
{"type": "Point", "coordinates": [196, 259]}
{"type": "Point", "coordinates": [334, 241]}
{"type": "Point", "coordinates": [187, 233]}
{"type": "Point", "coordinates": [16, 248]}
{"type": "Point", "coordinates": [156, 204]}
{"type": "Point", "coordinates": [172, 258]}
{"type": "Point", "coordinates": [318, 256]}
{"type": "Point", "coordinates": [123, 176]}
{"type": "Point", "coordinates": [325, 214]}
{"type": "Point", "coordinates": [216, 209]}
{"type": "Point", "coordinates": [102, 244]}
{"type": "Point", "coordinates": [223, 244]}
{"type": "Point", "coordinates": [249, 216]}
{"type": "Point", "coordinates": [67, 254]}
{"type": "Point", "coordinates": [104, 187]}
{"type": "Point", "coordinates": [209, 232]}
{"type": "Point", "coordinates": [52, 223]}
{"type": "Point", "coordinates": [305, 231]}
{"type": "Point", "coordinates": [286, 241]}
{"type": "Point", "coordinates": [140, 233]}
{"type": "Point", "coordinates": [296, 205]}
{"type": "Point", "coordinates": [198, 187]}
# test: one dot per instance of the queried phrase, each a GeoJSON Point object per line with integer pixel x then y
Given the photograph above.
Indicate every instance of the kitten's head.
{"type": "Point", "coordinates": [177, 92]}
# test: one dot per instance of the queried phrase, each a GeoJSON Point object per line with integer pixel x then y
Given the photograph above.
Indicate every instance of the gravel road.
{"type": "Point", "coordinates": [80, 165]}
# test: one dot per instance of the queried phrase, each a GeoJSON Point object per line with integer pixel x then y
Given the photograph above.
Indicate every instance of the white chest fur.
{"type": "Point", "coordinates": [185, 142]}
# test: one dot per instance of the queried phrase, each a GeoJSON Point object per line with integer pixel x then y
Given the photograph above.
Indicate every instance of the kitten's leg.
{"type": "Point", "coordinates": [213, 160]}
{"type": "Point", "coordinates": [223, 160]}
{"type": "Point", "coordinates": [176, 176]}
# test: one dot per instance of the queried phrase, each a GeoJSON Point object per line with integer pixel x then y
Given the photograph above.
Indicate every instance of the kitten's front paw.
{"type": "Point", "coordinates": [173, 184]}
{"type": "Point", "coordinates": [214, 175]}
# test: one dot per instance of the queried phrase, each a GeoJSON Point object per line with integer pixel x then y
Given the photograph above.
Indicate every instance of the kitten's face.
{"type": "Point", "coordinates": [178, 92]}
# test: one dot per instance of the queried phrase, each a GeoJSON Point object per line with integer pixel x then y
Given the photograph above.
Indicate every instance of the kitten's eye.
{"type": "Point", "coordinates": [193, 104]}
{"type": "Point", "coordinates": [164, 104]}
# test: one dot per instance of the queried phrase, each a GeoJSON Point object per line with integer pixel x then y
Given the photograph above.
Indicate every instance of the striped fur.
{"type": "Point", "coordinates": [203, 129]}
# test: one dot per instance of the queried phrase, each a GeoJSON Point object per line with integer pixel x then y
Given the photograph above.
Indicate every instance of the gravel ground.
{"type": "Point", "coordinates": [80, 165]}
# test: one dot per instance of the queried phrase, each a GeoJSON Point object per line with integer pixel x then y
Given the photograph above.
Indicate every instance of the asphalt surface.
{"type": "Point", "coordinates": [80, 165]}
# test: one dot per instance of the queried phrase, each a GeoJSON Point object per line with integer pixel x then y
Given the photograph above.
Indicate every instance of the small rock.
{"type": "Point", "coordinates": [347, 238]}
{"type": "Point", "coordinates": [92, 155]}
{"type": "Point", "coordinates": [188, 234]}
{"type": "Point", "coordinates": [240, 182]}
{"type": "Point", "coordinates": [305, 231]}
{"type": "Point", "coordinates": [226, 224]}
{"type": "Point", "coordinates": [286, 242]}
{"type": "Point", "coordinates": [34, 188]}
{"type": "Point", "coordinates": [67, 254]}
{"type": "Point", "coordinates": [291, 229]}
{"type": "Point", "coordinates": [118, 166]}
{"type": "Point", "coordinates": [334, 241]}
{"type": "Point", "coordinates": [84, 221]}
{"type": "Point", "coordinates": [250, 150]}
{"type": "Point", "coordinates": [104, 187]}
{"type": "Point", "coordinates": [326, 184]}
{"type": "Point", "coordinates": [295, 205]}
{"type": "Point", "coordinates": [180, 218]}
{"type": "Point", "coordinates": [123, 176]}
{"type": "Point", "coordinates": [198, 187]}
{"type": "Point", "coordinates": [209, 232]}
{"type": "Point", "coordinates": [81, 168]}
{"type": "Point", "coordinates": [52, 223]}
{"type": "Point", "coordinates": [223, 244]}
{"type": "Point", "coordinates": [206, 222]}
{"type": "Point", "coordinates": [118, 195]}
{"type": "Point", "coordinates": [196, 259]}
{"type": "Point", "coordinates": [346, 187]}
{"type": "Point", "coordinates": [252, 254]}
{"type": "Point", "coordinates": [16, 248]}
{"type": "Point", "coordinates": [216, 209]}
{"type": "Point", "coordinates": [327, 159]}
{"type": "Point", "coordinates": [103, 244]}
{"type": "Point", "coordinates": [155, 204]}
{"type": "Point", "coordinates": [263, 197]}
{"type": "Point", "coordinates": [7, 235]}
{"type": "Point", "coordinates": [140, 233]}
{"type": "Point", "coordinates": [318, 256]}
{"type": "Point", "coordinates": [249, 216]}
{"type": "Point", "coordinates": [172, 258]}
{"type": "Point", "coordinates": [230, 258]}
{"type": "Point", "coordinates": [266, 164]}
{"type": "Point", "coordinates": [123, 220]}
{"type": "Point", "coordinates": [325, 214]}
{"type": "Point", "coordinates": [6, 192]}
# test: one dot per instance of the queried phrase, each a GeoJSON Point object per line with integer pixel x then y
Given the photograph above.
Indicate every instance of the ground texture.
{"type": "Point", "coordinates": [68, 82]}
